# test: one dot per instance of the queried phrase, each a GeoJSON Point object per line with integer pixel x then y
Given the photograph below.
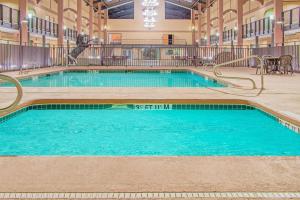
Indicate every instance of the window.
{"type": "Point", "coordinates": [125, 11]}
{"type": "Point", "coordinates": [168, 39]}
{"type": "Point", "coordinates": [176, 12]}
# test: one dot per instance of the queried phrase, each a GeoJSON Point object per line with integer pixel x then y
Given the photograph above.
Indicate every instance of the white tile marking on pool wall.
{"type": "Point", "coordinates": [153, 106]}
{"type": "Point", "coordinates": [124, 195]}
{"type": "Point", "coordinates": [289, 125]}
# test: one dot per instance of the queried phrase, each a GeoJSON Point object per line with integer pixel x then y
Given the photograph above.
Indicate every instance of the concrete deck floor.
{"type": "Point", "coordinates": [159, 174]}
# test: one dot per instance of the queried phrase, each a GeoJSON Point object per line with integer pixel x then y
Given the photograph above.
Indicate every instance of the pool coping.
{"type": "Point", "coordinates": [285, 120]}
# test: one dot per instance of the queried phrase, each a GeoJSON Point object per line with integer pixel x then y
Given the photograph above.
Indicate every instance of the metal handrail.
{"type": "Point", "coordinates": [218, 74]}
{"type": "Point", "coordinates": [19, 90]}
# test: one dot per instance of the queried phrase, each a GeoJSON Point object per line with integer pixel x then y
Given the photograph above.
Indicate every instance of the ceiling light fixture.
{"type": "Point", "coordinates": [149, 13]}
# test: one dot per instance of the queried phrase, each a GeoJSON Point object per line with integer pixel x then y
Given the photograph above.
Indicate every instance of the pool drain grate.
{"type": "Point", "coordinates": [165, 195]}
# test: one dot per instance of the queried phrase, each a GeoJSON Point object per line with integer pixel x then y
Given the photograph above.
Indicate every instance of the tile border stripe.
{"type": "Point", "coordinates": [151, 195]}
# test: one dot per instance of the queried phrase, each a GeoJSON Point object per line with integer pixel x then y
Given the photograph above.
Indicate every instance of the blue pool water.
{"type": "Point", "coordinates": [120, 79]}
{"type": "Point", "coordinates": [130, 132]}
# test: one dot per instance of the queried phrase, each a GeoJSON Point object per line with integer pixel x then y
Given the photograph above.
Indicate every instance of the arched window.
{"type": "Point", "coordinates": [31, 12]}
{"type": "Point", "coordinates": [269, 13]}
{"type": "Point", "coordinates": [268, 16]}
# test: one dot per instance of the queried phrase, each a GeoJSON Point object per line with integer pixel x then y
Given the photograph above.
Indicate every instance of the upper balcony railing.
{"type": "Point", "coordinates": [291, 19]}
{"type": "Point", "coordinates": [148, 42]}
{"type": "Point", "coordinates": [229, 35]}
{"type": "Point", "coordinates": [203, 42]}
{"type": "Point", "coordinates": [258, 28]}
{"type": "Point", "coordinates": [214, 39]}
{"type": "Point", "coordinates": [43, 27]}
{"type": "Point", "coordinates": [70, 34]}
{"type": "Point", "coordinates": [9, 17]}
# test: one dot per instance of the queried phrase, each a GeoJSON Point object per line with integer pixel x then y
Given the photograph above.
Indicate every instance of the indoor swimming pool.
{"type": "Point", "coordinates": [145, 130]}
{"type": "Point", "coordinates": [120, 78]}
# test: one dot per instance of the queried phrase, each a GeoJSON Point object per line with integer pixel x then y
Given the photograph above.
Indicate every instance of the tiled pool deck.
{"type": "Point", "coordinates": [160, 175]}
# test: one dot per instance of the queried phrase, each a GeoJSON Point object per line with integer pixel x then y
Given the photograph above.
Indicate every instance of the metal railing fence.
{"type": "Point", "coordinates": [9, 17]}
{"type": "Point", "coordinates": [156, 55]}
{"type": "Point", "coordinates": [43, 27]}
{"type": "Point", "coordinates": [257, 28]}
{"type": "Point", "coordinates": [291, 19]}
{"type": "Point", "coordinates": [16, 57]}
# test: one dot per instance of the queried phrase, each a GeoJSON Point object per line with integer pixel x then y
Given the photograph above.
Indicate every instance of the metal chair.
{"type": "Point", "coordinates": [266, 64]}
{"type": "Point", "coordinates": [285, 62]}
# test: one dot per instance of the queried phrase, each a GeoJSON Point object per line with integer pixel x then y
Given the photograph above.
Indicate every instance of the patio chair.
{"type": "Point", "coordinates": [266, 64]}
{"type": "Point", "coordinates": [285, 62]}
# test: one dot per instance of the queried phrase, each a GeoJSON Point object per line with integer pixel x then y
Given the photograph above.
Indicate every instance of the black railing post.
{"type": "Point", "coordinates": [1, 14]}
{"type": "Point", "coordinates": [299, 17]}
{"type": "Point", "coordinates": [291, 19]}
{"type": "Point", "coordinates": [10, 18]}
{"type": "Point", "coordinates": [263, 26]}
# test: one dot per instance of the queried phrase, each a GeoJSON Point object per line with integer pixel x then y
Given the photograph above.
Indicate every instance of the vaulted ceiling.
{"type": "Point", "coordinates": [184, 3]}
{"type": "Point", "coordinates": [124, 9]}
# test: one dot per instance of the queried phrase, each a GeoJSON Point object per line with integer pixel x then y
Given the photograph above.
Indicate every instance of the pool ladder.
{"type": "Point", "coordinates": [14, 81]}
{"type": "Point", "coordinates": [218, 74]}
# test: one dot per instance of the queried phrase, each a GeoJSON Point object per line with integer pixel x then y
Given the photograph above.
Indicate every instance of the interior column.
{"type": "Point", "coordinates": [199, 23]}
{"type": "Point", "coordinates": [79, 16]}
{"type": "Point", "coordinates": [193, 28]}
{"type": "Point", "coordinates": [23, 22]}
{"type": "Point", "coordinates": [240, 22]}
{"type": "Point", "coordinates": [91, 19]}
{"type": "Point", "coordinates": [99, 20]}
{"type": "Point", "coordinates": [221, 22]}
{"type": "Point", "coordinates": [278, 30]}
{"type": "Point", "coordinates": [208, 28]}
{"type": "Point", "coordinates": [105, 26]}
{"type": "Point", "coordinates": [60, 11]}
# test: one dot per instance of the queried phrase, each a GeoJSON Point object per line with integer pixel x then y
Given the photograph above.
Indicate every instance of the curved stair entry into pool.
{"type": "Point", "coordinates": [19, 90]}
{"type": "Point", "coordinates": [219, 74]}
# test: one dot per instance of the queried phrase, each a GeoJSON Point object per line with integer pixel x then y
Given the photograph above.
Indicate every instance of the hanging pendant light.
{"type": "Point", "coordinates": [149, 12]}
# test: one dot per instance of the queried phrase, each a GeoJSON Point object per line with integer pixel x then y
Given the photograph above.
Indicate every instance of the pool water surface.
{"type": "Point", "coordinates": [120, 78]}
{"type": "Point", "coordinates": [172, 130]}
